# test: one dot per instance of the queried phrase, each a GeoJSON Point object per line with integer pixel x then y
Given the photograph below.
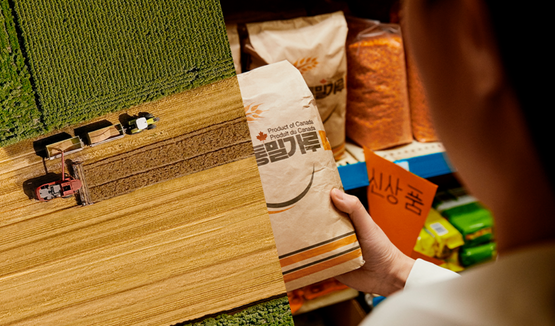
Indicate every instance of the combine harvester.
{"type": "Point", "coordinates": [70, 185]}
{"type": "Point", "coordinates": [64, 188]}
{"type": "Point", "coordinates": [67, 186]}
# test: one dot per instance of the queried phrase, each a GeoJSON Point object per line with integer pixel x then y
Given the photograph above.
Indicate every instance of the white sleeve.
{"type": "Point", "coordinates": [424, 272]}
{"type": "Point", "coordinates": [418, 306]}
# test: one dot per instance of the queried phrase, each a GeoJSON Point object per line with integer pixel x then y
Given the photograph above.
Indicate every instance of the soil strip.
{"type": "Point", "coordinates": [194, 152]}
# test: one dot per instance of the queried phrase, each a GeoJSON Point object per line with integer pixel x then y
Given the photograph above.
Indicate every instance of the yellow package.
{"type": "Point", "coordinates": [445, 234]}
{"type": "Point", "coordinates": [452, 262]}
{"type": "Point", "coordinates": [426, 244]}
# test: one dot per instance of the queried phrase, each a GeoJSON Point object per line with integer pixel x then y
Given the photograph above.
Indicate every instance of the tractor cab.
{"type": "Point", "coordinates": [47, 192]}
{"type": "Point", "coordinates": [142, 123]}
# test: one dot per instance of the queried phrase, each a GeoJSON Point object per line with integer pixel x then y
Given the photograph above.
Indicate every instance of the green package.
{"type": "Point", "coordinates": [473, 221]}
{"type": "Point", "coordinates": [474, 255]}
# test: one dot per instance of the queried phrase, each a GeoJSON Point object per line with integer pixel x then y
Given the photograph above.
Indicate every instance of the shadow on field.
{"type": "Point", "coordinates": [125, 118]}
{"type": "Point", "coordinates": [40, 145]}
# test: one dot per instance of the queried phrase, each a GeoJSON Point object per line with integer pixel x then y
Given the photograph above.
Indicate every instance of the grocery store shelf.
{"type": "Point", "coordinates": [423, 159]}
{"type": "Point", "coordinates": [352, 172]}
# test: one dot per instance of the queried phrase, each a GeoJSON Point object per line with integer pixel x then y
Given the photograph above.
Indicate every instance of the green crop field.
{"type": "Point", "coordinates": [272, 313]}
{"type": "Point", "coordinates": [88, 58]}
{"type": "Point", "coordinates": [19, 115]}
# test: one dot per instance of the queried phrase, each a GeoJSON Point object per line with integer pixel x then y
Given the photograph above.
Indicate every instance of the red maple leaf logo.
{"type": "Point", "coordinates": [323, 81]}
{"type": "Point", "coordinates": [261, 136]}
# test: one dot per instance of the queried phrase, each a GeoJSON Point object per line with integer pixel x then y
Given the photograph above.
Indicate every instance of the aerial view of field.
{"type": "Point", "coordinates": [129, 192]}
{"type": "Point", "coordinates": [159, 251]}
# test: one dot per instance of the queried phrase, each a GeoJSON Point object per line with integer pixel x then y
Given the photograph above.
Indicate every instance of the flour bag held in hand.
{"type": "Point", "coordinates": [316, 46]}
{"type": "Point", "coordinates": [314, 240]}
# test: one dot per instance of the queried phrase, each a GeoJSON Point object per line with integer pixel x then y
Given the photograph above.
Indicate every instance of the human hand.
{"type": "Point", "coordinates": [386, 268]}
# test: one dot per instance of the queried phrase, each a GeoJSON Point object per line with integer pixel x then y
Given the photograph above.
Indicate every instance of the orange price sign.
{"type": "Point", "coordinates": [398, 200]}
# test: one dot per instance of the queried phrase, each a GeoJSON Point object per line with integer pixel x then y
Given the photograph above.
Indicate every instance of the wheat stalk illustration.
{"type": "Point", "coordinates": [253, 113]}
{"type": "Point", "coordinates": [306, 64]}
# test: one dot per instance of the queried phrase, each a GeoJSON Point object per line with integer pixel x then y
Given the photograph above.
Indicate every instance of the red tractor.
{"type": "Point", "coordinates": [64, 188]}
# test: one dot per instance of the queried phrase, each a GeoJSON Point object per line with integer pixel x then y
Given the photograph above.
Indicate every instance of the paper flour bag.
{"type": "Point", "coordinates": [314, 240]}
{"type": "Point", "coordinates": [316, 46]}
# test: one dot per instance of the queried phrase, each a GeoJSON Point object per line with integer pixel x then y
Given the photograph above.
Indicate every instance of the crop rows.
{"type": "Point", "coordinates": [88, 58]}
{"type": "Point", "coordinates": [19, 114]}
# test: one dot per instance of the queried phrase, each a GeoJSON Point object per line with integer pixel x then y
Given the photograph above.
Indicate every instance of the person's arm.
{"type": "Point", "coordinates": [386, 269]}
{"type": "Point", "coordinates": [424, 272]}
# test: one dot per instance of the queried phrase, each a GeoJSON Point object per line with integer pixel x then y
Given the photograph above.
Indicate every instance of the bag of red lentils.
{"type": "Point", "coordinates": [314, 240]}
{"type": "Point", "coordinates": [316, 47]}
{"type": "Point", "coordinates": [378, 114]}
{"type": "Point", "coordinates": [422, 126]}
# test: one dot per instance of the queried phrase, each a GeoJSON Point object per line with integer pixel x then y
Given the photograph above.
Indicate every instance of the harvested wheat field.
{"type": "Point", "coordinates": [178, 230]}
{"type": "Point", "coordinates": [186, 154]}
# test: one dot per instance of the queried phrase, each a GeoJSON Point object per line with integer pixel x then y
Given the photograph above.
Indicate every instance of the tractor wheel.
{"type": "Point", "coordinates": [149, 116]}
{"type": "Point", "coordinates": [151, 127]}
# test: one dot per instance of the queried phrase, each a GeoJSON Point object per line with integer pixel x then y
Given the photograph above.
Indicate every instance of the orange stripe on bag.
{"type": "Point", "coordinates": [281, 211]}
{"type": "Point", "coordinates": [324, 139]}
{"type": "Point", "coordinates": [322, 266]}
{"type": "Point", "coordinates": [318, 251]}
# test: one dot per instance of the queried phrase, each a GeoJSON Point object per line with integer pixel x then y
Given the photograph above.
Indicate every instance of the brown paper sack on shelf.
{"type": "Point", "coordinates": [378, 114]}
{"type": "Point", "coordinates": [234, 45]}
{"type": "Point", "coordinates": [314, 240]}
{"type": "Point", "coordinates": [420, 115]}
{"type": "Point", "coordinates": [316, 46]}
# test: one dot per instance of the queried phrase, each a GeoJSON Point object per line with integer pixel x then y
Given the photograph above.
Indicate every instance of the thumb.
{"type": "Point", "coordinates": [351, 205]}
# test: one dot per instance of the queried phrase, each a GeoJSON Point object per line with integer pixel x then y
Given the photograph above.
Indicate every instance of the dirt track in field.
{"type": "Point", "coordinates": [190, 153]}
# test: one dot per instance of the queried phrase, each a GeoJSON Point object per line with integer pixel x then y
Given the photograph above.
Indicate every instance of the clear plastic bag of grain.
{"type": "Point", "coordinates": [316, 46]}
{"type": "Point", "coordinates": [314, 240]}
{"type": "Point", "coordinates": [420, 115]}
{"type": "Point", "coordinates": [378, 114]}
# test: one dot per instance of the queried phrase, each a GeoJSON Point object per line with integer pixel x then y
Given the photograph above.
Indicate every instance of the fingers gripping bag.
{"type": "Point", "coordinates": [314, 240]}
{"type": "Point", "coordinates": [378, 114]}
{"type": "Point", "coordinates": [316, 46]}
